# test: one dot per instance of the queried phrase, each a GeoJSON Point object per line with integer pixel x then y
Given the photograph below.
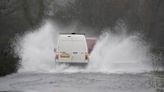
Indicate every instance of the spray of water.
{"type": "Point", "coordinates": [113, 52]}
{"type": "Point", "coordinates": [120, 53]}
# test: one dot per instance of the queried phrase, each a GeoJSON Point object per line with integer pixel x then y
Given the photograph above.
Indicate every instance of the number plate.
{"type": "Point", "coordinates": [75, 52]}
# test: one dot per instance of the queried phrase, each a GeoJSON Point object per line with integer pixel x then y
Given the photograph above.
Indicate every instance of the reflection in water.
{"type": "Point", "coordinates": [83, 82]}
{"type": "Point", "coordinates": [157, 82]}
{"type": "Point", "coordinates": [159, 90]}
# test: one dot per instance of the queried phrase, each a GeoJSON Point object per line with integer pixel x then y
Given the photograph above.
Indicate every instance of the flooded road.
{"type": "Point", "coordinates": [82, 82]}
{"type": "Point", "coordinates": [116, 64]}
{"type": "Point", "coordinates": [129, 45]}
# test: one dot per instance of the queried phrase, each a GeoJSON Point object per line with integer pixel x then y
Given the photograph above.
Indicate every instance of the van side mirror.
{"type": "Point", "coordinates": [54, 49]}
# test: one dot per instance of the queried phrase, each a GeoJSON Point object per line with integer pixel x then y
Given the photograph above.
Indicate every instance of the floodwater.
{"type": "Point", "coordinates": [119, 62]}
{"type": "Point", "coordinates": [82, 82]}
{"type": "Point", "coordinates": [113, 52]}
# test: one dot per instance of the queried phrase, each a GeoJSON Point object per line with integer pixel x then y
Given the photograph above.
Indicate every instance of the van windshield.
{"type": "Point", "coordinates": [72, 45]}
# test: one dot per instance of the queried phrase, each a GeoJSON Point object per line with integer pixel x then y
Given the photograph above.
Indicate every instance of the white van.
{"type": "Point", "coordinates": [72, 49]}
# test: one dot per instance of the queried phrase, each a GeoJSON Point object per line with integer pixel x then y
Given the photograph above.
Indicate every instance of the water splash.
{"type": "Point", "coordinates": [116, 53]}
{"type": "Point", "coordinates": [36, 48]}
{"type": "Point", "coordinates": [113, 53]}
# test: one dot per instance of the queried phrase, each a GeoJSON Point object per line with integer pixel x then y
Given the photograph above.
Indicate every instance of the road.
{"type": "Point", "coordinates": [82, 82]}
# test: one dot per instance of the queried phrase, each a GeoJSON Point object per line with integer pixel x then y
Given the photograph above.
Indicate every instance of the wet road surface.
{"type": "Point", "coordinates": [82, 82]}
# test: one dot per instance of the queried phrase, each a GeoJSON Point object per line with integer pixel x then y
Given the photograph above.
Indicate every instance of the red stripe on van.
{"type": "Point", "coordinates": [90, 44]}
